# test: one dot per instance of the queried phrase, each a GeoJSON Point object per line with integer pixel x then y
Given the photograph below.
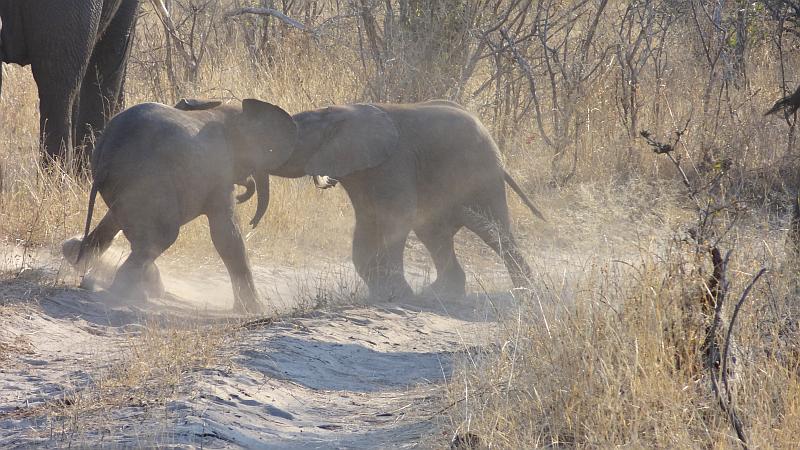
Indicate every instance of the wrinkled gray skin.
{"type": "Point", "coordinates": [428, 167]}
{"type": "Point", "coordinates": [158, 167]}
{"type": "Point", "coordinates": [78, 52]}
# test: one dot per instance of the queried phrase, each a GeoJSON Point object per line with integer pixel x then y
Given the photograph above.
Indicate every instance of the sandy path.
{"type": "Point", "coordinates": [353, 377]}
{"type": "Point", "coordinates": [359, 378]}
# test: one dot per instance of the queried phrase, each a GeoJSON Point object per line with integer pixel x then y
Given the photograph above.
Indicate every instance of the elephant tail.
{"type": "Point", "coordinates": [522, 195]}
{"type": "Point", "coordinates": [92, 197]}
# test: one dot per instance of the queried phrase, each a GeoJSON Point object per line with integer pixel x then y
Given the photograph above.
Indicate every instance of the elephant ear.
{"type": "Point", "coordinates": [193, 104]}
{"type": "Point", "coordinates": [269, 128]}
{"type": "Point", "coordinates": [360, 137]}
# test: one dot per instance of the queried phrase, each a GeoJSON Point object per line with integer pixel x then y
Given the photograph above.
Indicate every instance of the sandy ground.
{"type": "Point", "coordinates": [352, 376]}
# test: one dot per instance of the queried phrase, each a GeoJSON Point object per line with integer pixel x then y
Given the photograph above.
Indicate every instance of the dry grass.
{"type": "Point", "coordinates": [616, 360]}
{"type": "Point", "coordinates": [153, 367]}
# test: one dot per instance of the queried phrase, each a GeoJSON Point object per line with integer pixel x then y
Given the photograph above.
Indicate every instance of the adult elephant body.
{"type": "Point", "coordinates": [428, 167]}
{"type": "Point", "coordinates": [78, 51]}
{"type": "Point", "coordinates": [158, 167]}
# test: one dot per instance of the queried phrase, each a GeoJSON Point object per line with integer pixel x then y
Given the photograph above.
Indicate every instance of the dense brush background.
{"type": "Point", "coordinates": [607, 349]}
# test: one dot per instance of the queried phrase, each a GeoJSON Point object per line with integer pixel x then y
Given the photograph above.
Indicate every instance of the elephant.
{"type": "Point", "coordinates": [158, 167]}
{"type": "Point", "coordinates": [430, 167]}
{"type": "Point", "coordinates": [78, 53]}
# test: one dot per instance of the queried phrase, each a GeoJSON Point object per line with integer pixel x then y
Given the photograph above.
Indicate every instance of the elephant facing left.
{"type": "Point", "coordinates": [158, 167]}
{"type": "Point", "coordinates": [78, 53]}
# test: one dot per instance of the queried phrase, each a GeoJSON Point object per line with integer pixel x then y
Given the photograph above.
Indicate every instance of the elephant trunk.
{"type": "Point", "coordinates": [250, 188]}
{"type": "Point", "coordinates": [262, 188]}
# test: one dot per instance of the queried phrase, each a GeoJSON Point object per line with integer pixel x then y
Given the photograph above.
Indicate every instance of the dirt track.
{"type": "Point", "coordinates": [345, 377]}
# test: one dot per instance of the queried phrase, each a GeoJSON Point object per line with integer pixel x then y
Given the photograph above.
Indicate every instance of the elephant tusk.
{"type": "Point", "coordinates": [324, 181]}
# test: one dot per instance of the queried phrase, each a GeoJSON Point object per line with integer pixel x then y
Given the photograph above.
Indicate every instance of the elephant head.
{"type": "Point", "coordinates": [262, 138]}
{"type": "Point", "coordinates": [339, 140]}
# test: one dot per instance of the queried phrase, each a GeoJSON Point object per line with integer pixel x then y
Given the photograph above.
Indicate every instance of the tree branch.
{"type": "Point", "coordinates": [269, 12]}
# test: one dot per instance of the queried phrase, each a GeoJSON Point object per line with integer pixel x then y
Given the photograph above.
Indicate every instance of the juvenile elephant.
{"type": "Point", "coordinates": [159, 167]}
{"type": "Point", "coordinates": [429, 167]}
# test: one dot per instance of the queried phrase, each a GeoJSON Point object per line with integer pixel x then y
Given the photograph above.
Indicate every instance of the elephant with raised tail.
{"type": "Point", "coordinates": [429, 167]}
{"type": "Point", "coordinates": [158, 167]}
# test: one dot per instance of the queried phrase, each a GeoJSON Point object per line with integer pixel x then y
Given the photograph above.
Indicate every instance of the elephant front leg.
{"type": "Point", "coordinates": [55, 122]}
{"type": "Point", "coordinates": [378, 245]}
{"type": "Point", "coordinates": [228, 241]}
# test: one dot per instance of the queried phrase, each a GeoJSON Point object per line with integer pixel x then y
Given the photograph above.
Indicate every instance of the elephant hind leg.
{"type": "Point", "coordinates": [138, 276]}
{"type": "Point", "coordinates": [495, 230]}
{"type": "Point", "coordinates": [450, 277]}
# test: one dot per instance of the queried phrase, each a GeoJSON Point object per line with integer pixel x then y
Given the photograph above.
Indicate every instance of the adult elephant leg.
{"type": "Point", "coordinates": [59, 56]}
{"type": "Point", "coordinates": [438, 239]}
{"type": "Point", "coordinates": [228, 241]}
{"type": "Point", "coordinates": [491, 223]}
{"type": "Point", "coordinates": [101, 91]}
{"type": "Point", "coordinates": [55, 111]}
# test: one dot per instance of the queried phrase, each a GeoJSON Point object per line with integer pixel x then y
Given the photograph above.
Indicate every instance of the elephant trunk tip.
{"type": "Point", "coordinates": [262, 188]}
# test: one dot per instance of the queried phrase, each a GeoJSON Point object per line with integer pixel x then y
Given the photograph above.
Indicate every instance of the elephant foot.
{"type": "Point", "coordinates": [153, 287]}
{"type": "Point", "coordinates": [128, 292]}
{"type": "Point", "coordinates": [89, 283]}
{"type": "Point", "coordinates": [248, 309]}
{"type": "Point", "coordinates": [390, 292]}
{"type": "Point", "coordinates": [71, 249]}
{"type": "Point", "coordinates": [440, 289]}
{"type": "Point", "coordinates": [247, 304]}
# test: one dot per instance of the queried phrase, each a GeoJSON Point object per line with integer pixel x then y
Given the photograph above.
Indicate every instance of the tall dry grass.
{"type": "Point", "coordinates": [611, 354]}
